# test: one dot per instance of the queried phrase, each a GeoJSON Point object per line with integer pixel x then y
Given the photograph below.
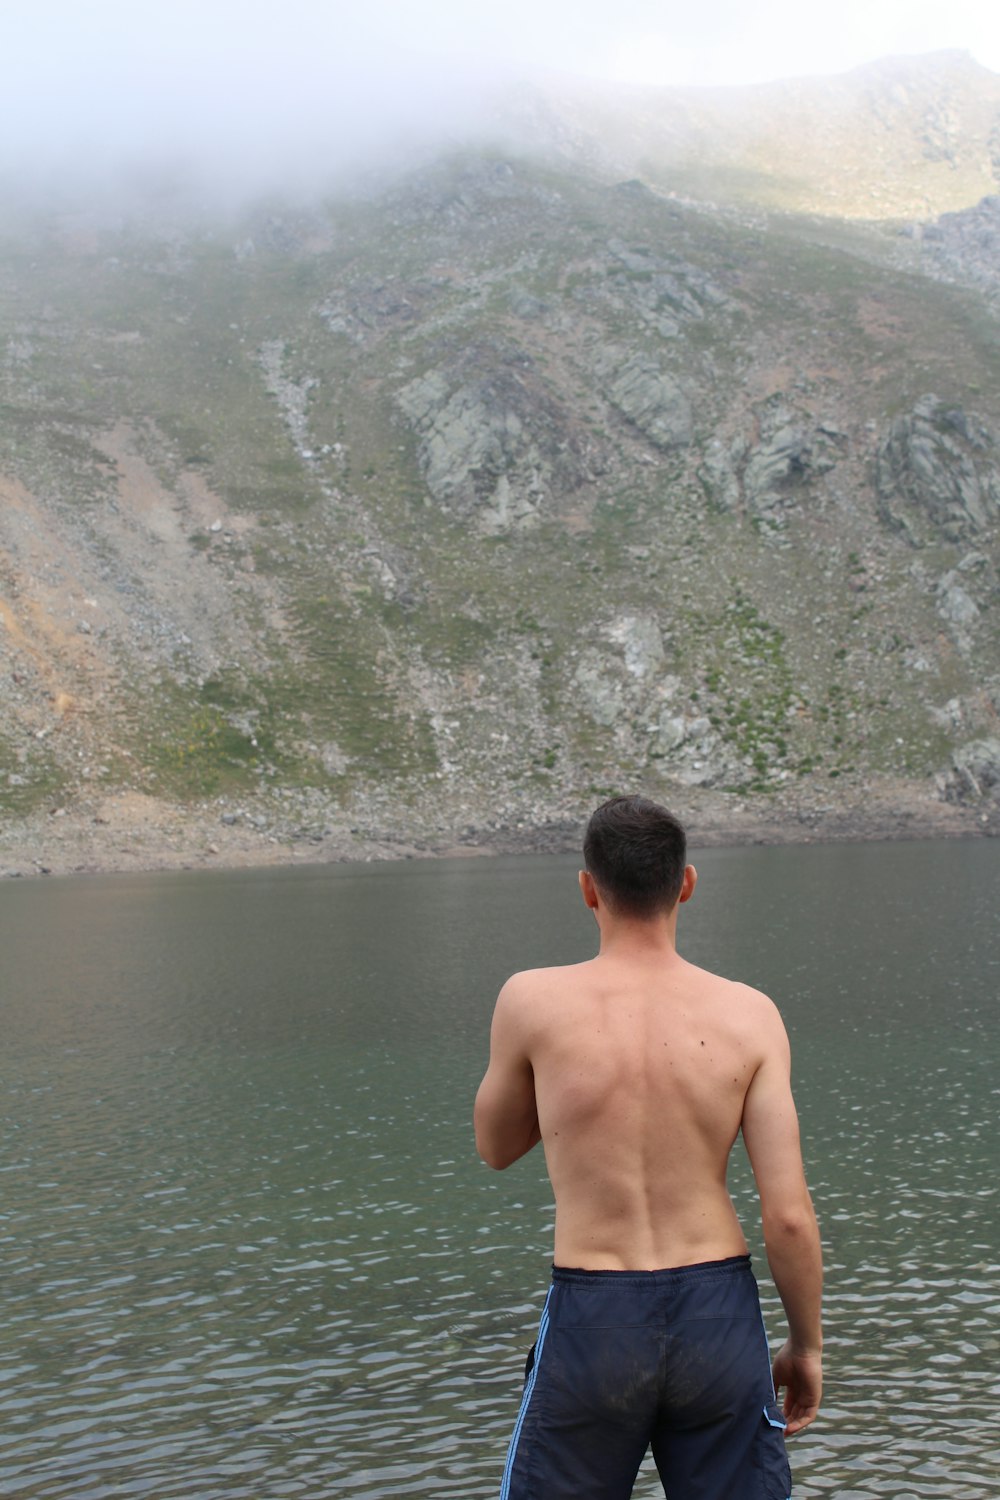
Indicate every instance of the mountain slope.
{"type": "Point", "coordinates": [457, 504]}
{"type": "Point", "coordinates": [900, 138]}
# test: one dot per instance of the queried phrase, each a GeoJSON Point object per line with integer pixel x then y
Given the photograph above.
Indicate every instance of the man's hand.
{"type": "Point", "coordinates": [801, 1377]}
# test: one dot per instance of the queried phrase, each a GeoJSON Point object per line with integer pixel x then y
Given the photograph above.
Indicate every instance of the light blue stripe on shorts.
{"type": "Point", "coordinates": [543, 1329]}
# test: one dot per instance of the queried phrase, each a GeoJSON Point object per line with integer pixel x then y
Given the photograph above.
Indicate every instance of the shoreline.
{"type": "Point", "coordinates": [130, 832]}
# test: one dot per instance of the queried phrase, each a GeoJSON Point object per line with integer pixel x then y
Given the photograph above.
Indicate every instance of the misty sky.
{"type": "Point", "coordinates": [126, 78]}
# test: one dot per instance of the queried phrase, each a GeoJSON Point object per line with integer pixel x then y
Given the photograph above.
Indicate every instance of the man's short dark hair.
{"type": "Point", "coordinates": [636, 852]}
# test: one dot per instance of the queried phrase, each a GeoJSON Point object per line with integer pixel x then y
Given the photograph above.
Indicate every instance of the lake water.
{"type": "Point", "coordinates": [248, 1249]}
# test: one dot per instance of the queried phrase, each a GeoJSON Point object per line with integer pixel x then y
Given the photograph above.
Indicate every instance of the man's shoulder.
{"type": "Point", "coordinates": [759, 1019]}
{"type": "Point", "coordinates": [740, 999]}
{"type": "Point", "coordinates": [752, 999]}
{"type": "Point", "coordinates": [532, 995]}
{"type": "Point", "coordinates": [532, 982]}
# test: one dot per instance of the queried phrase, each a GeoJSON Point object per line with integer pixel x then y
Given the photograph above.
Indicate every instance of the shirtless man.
{"type": "Point", "coordinates": [636, 1070]}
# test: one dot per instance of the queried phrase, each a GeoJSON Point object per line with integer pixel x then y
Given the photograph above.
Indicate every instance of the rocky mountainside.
{"type": "Point", "coordinates": [428, 514]}
{"type": "Point", "coordinates": [901, 138]}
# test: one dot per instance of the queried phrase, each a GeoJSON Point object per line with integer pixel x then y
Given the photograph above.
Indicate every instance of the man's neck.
{"type": "Point", "coordinates": [628, 937]}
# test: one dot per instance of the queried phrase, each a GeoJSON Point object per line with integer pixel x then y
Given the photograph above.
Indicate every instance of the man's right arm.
{"type": "Point", "coordinates": [791, 1235]}
{"type": "Point", "coordinates": [506, 1116]}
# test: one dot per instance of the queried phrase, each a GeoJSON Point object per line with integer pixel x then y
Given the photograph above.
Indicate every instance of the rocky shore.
{"type": "Point", "coordinates": [131, 832]}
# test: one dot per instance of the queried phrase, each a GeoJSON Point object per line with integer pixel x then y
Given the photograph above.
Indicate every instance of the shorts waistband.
{"type": "Point", "coordinates": [668, 1274]}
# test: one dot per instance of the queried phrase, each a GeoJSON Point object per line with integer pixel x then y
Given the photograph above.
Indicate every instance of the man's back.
{"type": "Point", "coordinates": [641, 1067]}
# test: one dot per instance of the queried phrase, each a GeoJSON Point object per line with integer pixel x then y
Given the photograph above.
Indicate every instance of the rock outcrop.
{"type": "Point", "coordinates": [789, 456]}
{"type": "Point", "coordinates": [771, 474]}
{"type": "Point", "coordinates": [965, 245]}
{"type": "Point", "coordinates": [495, 447]}
{"type": "Point", "coordinates": [938, 473]}
{"type": "Point", "coordinates": [652, 399]}
{"type": "Point", "coordinates": [974, 773]}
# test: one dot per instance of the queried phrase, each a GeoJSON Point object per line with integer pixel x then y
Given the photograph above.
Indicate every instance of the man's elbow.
{"type": "Point", "coordinates": [487, 1145]}
{"type": "Point", "coordinates": [491, 1155]}
{"type": "Point", "coordinates": [790, 1223]}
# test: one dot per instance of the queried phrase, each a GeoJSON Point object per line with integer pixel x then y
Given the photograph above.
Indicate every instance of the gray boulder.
{"type": "Point", "coordinates": [974, 773]}
{"type": "Point", "coordinates": [493, 444]}
{"type": "Point", "coordinates": [652, 400]}
{"type": "Point", "coordinates": [773, 473]}
{"type": "Point", "coordinates": [598, 688]}
{"type": "Point", "coordinates": [720, 472]}
{"type": "Point", "coordinates": [789, 457]}
{"type": "Point", "coordinates": [955, 604]}
{"type": "Point", "coordinates": [938, 470]}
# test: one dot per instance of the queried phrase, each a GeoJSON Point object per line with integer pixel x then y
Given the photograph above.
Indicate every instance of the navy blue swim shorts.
{"type": "Point", "coordinates": [624, 1360]}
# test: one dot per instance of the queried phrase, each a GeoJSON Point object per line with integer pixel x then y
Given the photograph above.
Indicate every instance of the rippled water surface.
{"type": "Point", "coordinates": [248, 1249]}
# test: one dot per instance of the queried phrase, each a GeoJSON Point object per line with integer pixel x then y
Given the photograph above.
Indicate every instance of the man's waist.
{"type": "Point", "coordinates": [728, 1265]}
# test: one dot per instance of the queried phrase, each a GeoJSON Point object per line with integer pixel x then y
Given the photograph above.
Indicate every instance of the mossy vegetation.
{"type": "Point", "coordinates": [751, 690]}
{"type": "Point", "coordinates": [28, 783]}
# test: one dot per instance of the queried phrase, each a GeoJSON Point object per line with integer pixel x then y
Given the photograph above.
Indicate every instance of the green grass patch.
{"type": "Point", "coordinates": [29, 783]}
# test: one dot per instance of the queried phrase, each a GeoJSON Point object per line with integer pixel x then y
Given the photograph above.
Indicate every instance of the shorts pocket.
{"type": "Point", "coordinates": [529, 1363]}
{"type": "Point", "coordinates": [772, 1460]}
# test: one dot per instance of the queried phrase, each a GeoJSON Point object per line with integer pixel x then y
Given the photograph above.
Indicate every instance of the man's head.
{"type": "Point", "coordinates": [636, 854]}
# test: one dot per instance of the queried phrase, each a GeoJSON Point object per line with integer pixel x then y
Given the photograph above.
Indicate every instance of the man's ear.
{"type": "Point", "coordinates": [688, 883]}
{"type": "Point", "coordinates": [588, 889]}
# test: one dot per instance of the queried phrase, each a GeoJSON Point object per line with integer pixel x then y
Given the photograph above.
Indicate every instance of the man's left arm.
{"type": "Point", "coordinates": [506, 1117]}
